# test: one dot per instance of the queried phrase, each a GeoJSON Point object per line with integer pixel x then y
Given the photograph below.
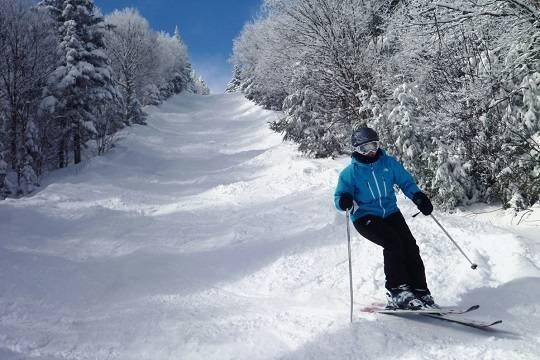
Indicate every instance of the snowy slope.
{"type": "Point", "coordinates": [202, 236]}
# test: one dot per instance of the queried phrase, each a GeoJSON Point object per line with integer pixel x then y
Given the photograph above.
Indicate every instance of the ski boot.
{"type": "Point", "coordinates": [402, 297]}
{"type": "Point", "coordinates": [425, 296]}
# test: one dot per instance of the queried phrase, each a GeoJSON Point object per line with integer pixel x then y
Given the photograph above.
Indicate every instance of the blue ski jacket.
{"type": "Point", "coordinates": [372, 186]}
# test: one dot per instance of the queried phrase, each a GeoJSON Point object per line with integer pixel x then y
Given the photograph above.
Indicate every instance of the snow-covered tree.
{"type": "Point", "coordinates": [83, 78]}
{"type": "Point", "coordinates": [175, 70]}
{"type": "Point", "coordinates": [149, 66]}
{"type": "Point", "coordinates": [199, 85]}
{"type": "Point", "coordinates": [404, 137]}
{"type": "Point", "coordinates": [236, 81]}
{"type": "Point", "coordinates": [132, 49]}
{"type": "Point", "coordinates": [26, 61]}
{"type": "Point", "coordinates": [332, 46]}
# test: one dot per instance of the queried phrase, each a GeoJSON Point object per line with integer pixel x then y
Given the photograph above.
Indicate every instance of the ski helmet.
{"type": "Point", "coordinates": [364, 135]}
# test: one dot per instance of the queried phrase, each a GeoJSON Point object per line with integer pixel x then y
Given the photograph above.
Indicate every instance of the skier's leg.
{"type": "Point", "coordinates": [413, 260]}
{"type": "Point", "coordinates": [376, 230]}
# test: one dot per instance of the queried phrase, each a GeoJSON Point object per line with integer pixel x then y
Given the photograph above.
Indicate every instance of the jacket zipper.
{"type": "Point", "coordinates": [384, 183]}
{"type": "Point", "coordinates": [378, 189]}
{"type": "Point", "coordinates": [372, 193]}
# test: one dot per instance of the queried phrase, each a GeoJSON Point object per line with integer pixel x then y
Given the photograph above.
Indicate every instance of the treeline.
{"type": "Point", "coordinates": [70, 79]}
{"type": "Point", "coordinates": [452, 87]}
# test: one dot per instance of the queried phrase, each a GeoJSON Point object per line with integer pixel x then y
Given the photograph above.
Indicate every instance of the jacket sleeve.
{"type": "Point", "coordinates": [404, 179]}
{"type": "Point", "coordinates": [344, 186]}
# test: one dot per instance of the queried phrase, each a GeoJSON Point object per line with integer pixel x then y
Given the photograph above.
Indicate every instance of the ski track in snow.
{"type": "Point", "coordinates": [203, 236]}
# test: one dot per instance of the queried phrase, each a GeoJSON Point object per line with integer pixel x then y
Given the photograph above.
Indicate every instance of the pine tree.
{"type": "Point", "coordinates": [199, 85]}
{"type": "Point", "coordinates": [83, 78]}
{"type": "Point", "coordinates": [236, 82]}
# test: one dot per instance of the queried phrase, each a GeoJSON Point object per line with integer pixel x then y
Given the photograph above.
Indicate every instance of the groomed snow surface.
{"type": "Point", "coordinates": [203, 236]}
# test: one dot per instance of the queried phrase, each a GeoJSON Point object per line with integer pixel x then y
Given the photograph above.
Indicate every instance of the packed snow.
{"type": "Point", "coordinates": [203, 236]}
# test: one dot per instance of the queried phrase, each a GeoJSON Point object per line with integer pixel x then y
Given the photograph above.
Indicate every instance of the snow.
{"type": "Point", "coordinates": [203, 236]}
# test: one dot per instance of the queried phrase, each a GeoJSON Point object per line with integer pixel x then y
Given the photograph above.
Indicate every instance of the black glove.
{"type": "Point", "coordinates": [423, 203]}
{"type": "Point", "coordinates": [346, 201]}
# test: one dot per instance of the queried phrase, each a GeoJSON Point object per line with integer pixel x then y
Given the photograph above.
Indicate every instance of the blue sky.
{"type": "Point", "coordinates": [208, 28]}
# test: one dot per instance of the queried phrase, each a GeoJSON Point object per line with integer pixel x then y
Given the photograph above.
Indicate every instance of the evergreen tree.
{"type": "Point", "coordinates": [236, 81]}
{"type": "Point", "coordinates": [83, 79]}
{"type": "Point", "coordinates": [199, 86]}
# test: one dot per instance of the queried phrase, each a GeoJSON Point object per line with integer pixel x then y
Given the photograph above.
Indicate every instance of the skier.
{"type": "Point", "coordinates": [365, 187]}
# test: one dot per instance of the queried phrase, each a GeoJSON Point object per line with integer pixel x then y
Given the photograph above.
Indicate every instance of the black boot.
{"type": "Point", "coordinates": [402, 297]}
{"type": "Point", "coordinates": [425, 296]}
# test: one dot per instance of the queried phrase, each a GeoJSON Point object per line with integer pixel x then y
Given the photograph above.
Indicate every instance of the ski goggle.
{"type": "Point", "coordinates": [367, 147]}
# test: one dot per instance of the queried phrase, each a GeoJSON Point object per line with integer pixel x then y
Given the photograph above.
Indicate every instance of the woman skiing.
{"type": "Point", "coordinates": [365, 187]}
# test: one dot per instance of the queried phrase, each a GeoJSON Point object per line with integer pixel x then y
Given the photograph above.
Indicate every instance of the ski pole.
{"type": "Point", "coordinates": [473, 265]}
{"type": "Point", "coordinates": [350, 261]}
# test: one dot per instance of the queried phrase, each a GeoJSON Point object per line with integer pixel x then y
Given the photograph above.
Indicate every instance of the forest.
{"type": "Point", "coordinates": [71, 78]}
{"type": "Point", "coordinates": [452, 87]}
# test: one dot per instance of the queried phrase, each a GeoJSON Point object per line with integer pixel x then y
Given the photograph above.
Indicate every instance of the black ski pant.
{"type": "Point", "coordinates": [402, 261]}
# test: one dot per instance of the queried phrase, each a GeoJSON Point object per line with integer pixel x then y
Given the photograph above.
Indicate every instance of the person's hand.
{"type": "Point", "coordinates": [423, 203]}
{"type": "Point", "coordinates": [346, 201]}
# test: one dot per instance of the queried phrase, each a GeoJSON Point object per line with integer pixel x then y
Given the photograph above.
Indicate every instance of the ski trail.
{"type": "Point", "coordinates": [203, 236]}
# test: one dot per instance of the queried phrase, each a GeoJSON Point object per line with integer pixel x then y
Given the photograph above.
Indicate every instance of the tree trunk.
{"type": "Point", "coordinates": [129, 102]}
{"type": "Point", "coordinates": [61, 159]}
{"type": "Point", "coordinates": [13, 137]}
{"type": "Point", "coordinates": [77, 143]}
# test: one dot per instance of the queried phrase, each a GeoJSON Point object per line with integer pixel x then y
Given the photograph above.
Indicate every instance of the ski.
{"type": "Point", "coordinates": [479, 324]}
{"type": "Point", "coordinates": [446, 313]}
{"type": "Point", "coordinates": [443, 310]}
